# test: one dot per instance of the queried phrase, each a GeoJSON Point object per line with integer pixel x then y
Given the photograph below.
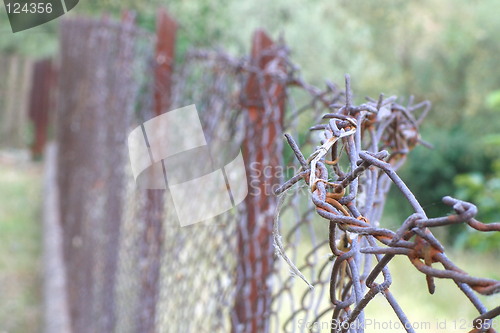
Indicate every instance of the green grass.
{"type": "Point", "coordinates": [20, 248]}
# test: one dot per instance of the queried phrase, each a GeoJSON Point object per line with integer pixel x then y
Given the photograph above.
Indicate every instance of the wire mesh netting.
{"type": "Point", "coordinates": [131, 267]}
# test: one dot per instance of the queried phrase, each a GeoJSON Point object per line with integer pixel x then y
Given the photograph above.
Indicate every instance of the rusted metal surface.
{"type": "Point", "coordinates": [41, 102]}
{"type": "Point", "coordinates": [264, 101]}
{"type": "Point", "coordinates": [166, 29]}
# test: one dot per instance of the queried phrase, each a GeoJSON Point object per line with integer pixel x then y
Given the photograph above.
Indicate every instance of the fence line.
{"type": "Point", "coordinates": [131, 268]}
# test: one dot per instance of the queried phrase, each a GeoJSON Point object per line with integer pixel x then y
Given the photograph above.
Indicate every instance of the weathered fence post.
{"type": "Point", "coordinates": [96, 102]}
{"type": "Point", "coordinates": [151, 241]}
{"type": "Point", "coordinates": [264, 99]}
{"type": "Point", "coordinates": [41, 96]}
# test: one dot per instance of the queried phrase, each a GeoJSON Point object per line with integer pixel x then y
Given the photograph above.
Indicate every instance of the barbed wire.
{"type": "Point", "coordinates": [372, 141]}
{"type": "Point", "coordinates": [375, 138]}
{"type": "Point", "coordinates": [367, 144]}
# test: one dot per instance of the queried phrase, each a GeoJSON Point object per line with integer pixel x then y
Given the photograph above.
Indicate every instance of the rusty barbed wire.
{"type": "Point", "coordinates": [201, 271]}
{"type": "Point", "coordinates": [376, 138]}
{"type": "Point", "coordinates": [353, 201]}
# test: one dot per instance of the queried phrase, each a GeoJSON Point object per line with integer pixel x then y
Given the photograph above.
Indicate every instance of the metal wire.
{"type": "Point", "coordinates": [201, 275]}
{"type": "Point", "coordinates": [376, 138]}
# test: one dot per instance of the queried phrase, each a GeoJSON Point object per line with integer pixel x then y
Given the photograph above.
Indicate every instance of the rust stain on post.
{"type": "Point", "coordinates": [40, 104]}
{"type": "Point", "coordinates": [166, 28]}
{"type": "Point", "coordinates": [261, 153]}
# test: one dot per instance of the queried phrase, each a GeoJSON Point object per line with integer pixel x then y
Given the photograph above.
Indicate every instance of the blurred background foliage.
{"type": "Point", "coordinates": [444, 51]}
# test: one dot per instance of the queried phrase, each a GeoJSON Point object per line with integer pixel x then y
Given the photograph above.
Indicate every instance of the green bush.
{"type": "Point", "coordinates": [484, 191]}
